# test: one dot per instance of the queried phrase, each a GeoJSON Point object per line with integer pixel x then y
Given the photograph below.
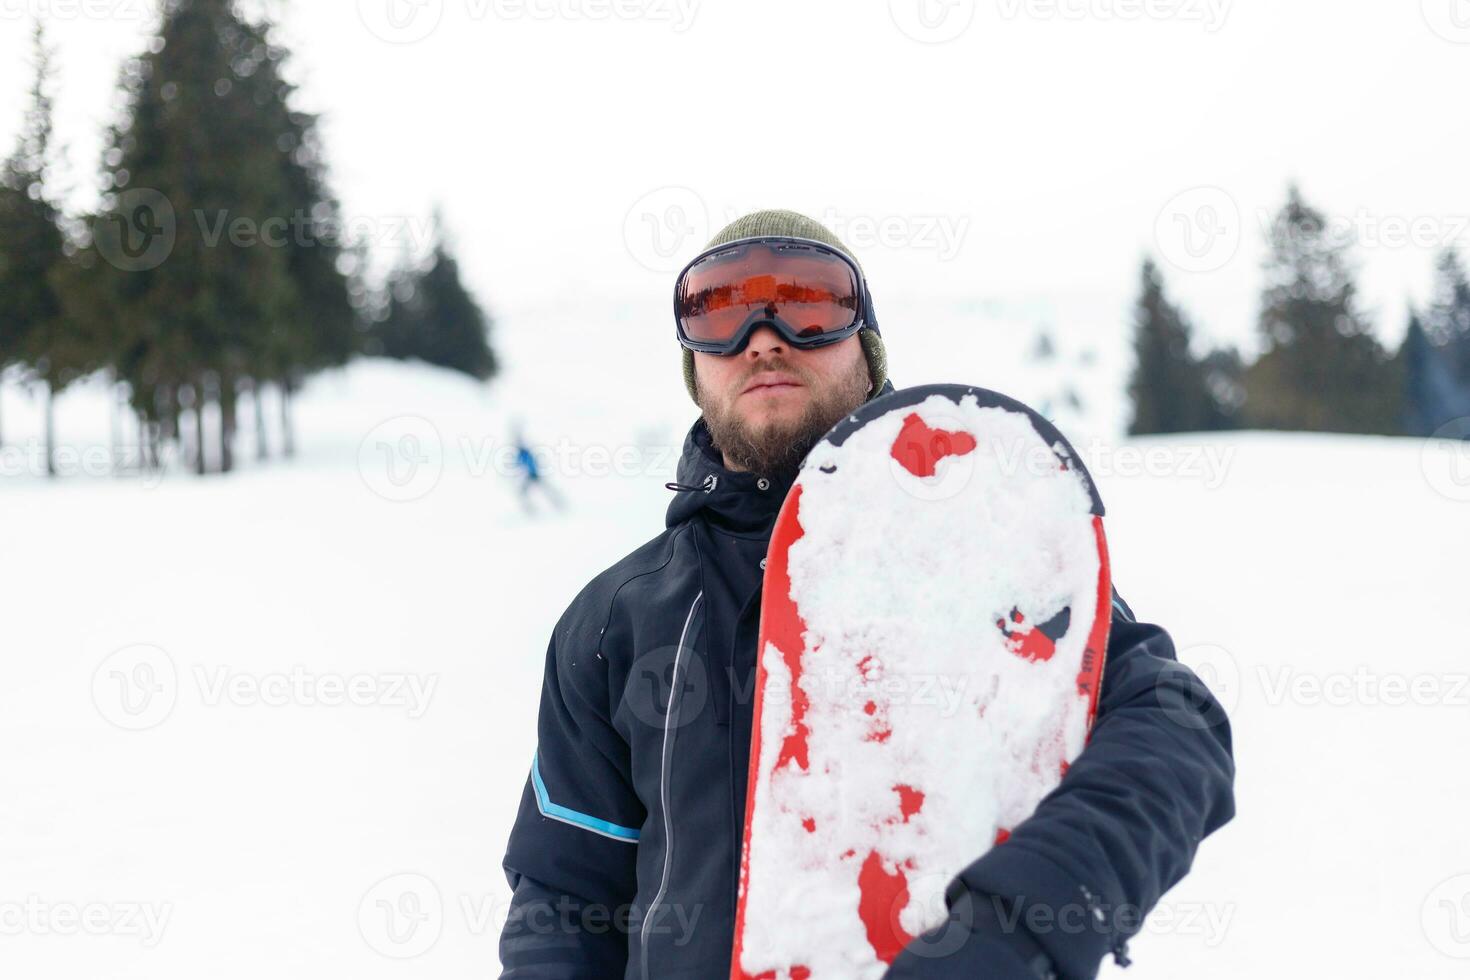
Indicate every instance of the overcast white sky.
{"type": "Point", "coordinates": [1019, 150]}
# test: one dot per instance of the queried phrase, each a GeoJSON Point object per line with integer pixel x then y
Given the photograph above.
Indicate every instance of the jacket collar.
{"type": "Point", "coordinates": [735, 501]}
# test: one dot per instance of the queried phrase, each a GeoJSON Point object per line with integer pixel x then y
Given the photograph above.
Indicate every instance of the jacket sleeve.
{"type": "Point", "coordinates": [571, 855]}
{"type": "Point", "coordinates": [1121, 828]}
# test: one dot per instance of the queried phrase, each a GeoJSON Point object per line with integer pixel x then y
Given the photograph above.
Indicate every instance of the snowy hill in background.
{"type": "Point", "coordinates": [621, 383]}
{"type": "Point", "coordinates": [278, 723]}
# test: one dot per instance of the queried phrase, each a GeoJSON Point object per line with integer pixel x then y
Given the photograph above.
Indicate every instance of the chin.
{"type": "Point", "coordinates": [771, 408]}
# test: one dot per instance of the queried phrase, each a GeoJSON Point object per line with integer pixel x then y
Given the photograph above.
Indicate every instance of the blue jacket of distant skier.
{"type": "Point", "coordinates": [625, 852]}
{"type": "Point", "coordinates": [526, 460]}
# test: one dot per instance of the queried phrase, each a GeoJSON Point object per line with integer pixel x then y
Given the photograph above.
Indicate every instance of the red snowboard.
{"type": "Point", "coordinates": [935, 618]}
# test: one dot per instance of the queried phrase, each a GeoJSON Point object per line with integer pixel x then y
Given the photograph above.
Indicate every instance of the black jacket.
{"type": "Point", "coordinates": [624, 856]}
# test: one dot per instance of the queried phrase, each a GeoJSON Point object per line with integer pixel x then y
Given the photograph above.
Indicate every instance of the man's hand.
{"type": "Point", "coordinates": [977, 942]}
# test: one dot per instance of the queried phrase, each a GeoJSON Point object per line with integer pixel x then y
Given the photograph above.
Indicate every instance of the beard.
{"type": "Point", "coordinates": [776, 448]}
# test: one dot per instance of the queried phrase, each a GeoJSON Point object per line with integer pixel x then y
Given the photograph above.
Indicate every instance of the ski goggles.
{"type": "Point", "coordinates": [810, 293]}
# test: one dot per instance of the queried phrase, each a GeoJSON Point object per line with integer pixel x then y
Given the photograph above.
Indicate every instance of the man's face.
{"type": "Point", "coordinates": [768, 405]}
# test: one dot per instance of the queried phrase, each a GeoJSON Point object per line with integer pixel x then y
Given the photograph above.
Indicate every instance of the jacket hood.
{"type": "Point", "coordinates": [735, 501]}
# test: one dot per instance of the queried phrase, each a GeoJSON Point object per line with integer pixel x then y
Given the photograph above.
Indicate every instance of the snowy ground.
{"type": "Point", "coordinates": [278, 724]}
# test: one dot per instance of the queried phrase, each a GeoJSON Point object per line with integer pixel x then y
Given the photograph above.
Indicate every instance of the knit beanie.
{"type": "Point", "coordinates": [781, 222]}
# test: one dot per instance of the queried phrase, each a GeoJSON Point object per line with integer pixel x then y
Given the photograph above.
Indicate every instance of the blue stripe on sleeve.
{"type": "Point", "coordinates": [555, 811]}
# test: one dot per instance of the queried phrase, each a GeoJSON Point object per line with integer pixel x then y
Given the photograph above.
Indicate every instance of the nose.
{"type": "Point", "coordinates": [764, 340]}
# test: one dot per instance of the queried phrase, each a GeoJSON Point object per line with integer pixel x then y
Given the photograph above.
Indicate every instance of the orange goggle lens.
{"type": "Point", "coordinates": [814, 291]}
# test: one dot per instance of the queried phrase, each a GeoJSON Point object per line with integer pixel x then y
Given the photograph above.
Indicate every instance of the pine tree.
{"type": "Point", "coordinates": [1321, 368]}
{"type": "Point", "coordinates": [33, 258]}
{"type": "Point", "coordinates": [321, 326]}
{"type": "Point", "coordinates": [433, 318]}
{"type": "Point", "coordinates": [1431, 395]}
{"type": "Point", "coordinates": [1447, 320]}
{"type": "Point", "coordinates": [1170, 389]}
{"type": "Point", "coordinates": [200, 141]}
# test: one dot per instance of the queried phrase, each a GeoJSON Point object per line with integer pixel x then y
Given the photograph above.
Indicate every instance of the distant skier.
{"type": "Point", "coordinates": [530, 475]}
{"type": "Point", "coordinates": [624, 860]}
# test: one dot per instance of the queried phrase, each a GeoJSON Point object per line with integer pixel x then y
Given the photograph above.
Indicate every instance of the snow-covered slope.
{"type": "Point", "coordinates": [278, 724]}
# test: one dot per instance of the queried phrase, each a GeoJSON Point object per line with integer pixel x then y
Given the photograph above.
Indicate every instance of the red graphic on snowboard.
{"type": "Point", "coordinates": [919, 448]}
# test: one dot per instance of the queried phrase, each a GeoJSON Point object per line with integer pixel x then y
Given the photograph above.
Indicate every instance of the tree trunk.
{"type": "Point", "coordinates": [262, 449]}
{"type": "Point", "coordinates": [184, 395]}
{"type": "Point", "coordinates": [167, 404]}
{"type": "Point", "coordinates": [147, 451]}
{"type": "Point", "coordinates": [226, 423]}
{"type": "Point", "coordinates": [288, 436]}
{"type": "Point", "coordinates": [147, 456]}
{"type": "Point", "coordinates": [201, 465]}
{"type": "Point", "coordinates": [50, 419]}
{"type": "Point", "coordinates": [114, 426]}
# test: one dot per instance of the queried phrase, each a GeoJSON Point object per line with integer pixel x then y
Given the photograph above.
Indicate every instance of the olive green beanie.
{"type": "Point", "coordinates": [781, 222]}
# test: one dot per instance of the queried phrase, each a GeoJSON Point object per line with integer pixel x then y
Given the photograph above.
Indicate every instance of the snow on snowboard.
{"type": "Point", "coordinates": [934, 622]}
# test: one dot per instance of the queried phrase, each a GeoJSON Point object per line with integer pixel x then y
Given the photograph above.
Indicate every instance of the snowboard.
{"type": "Point", "coordinates": [932, 637]}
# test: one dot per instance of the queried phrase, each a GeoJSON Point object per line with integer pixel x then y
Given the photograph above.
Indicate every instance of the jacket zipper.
{"type": "Point", "coordinates": [665, 768]}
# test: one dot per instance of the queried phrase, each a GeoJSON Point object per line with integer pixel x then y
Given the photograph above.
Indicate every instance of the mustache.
{"type": "Point", "coordinates": [775, 367]}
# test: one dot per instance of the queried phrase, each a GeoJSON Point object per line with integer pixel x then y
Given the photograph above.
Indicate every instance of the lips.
{"type": "Point", "coordinates": [774, 382]}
